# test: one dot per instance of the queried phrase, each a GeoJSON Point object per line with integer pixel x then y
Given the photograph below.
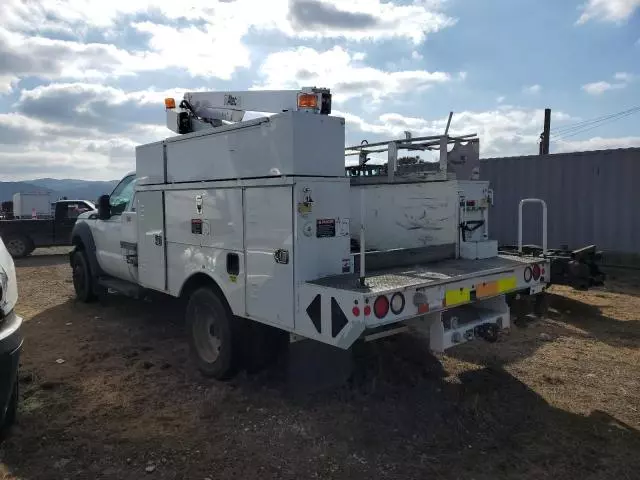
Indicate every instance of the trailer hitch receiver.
{"type": "Point", "coordinates": [487, 331]}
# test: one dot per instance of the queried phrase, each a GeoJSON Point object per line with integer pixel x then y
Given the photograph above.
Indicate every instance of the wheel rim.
{"type": "Point", "coordinates": [205, 332]}
{"type": "Point", "coordinates": [16, 247]}
{"type": "Point", "coordinates": [78, 277]}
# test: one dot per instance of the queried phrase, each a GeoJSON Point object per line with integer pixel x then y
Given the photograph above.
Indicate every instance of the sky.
{"type": "Point", "coordinates": [82, 82]}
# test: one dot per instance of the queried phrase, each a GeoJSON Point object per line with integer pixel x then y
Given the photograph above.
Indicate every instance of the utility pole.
{"type": "Point", "coordinates": [544, 136]}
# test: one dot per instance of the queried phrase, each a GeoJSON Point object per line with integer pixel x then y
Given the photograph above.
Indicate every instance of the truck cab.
{"type": "Point", "coordinates": [112, 228]}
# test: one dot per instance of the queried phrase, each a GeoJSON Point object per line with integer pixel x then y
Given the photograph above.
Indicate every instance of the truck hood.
{"type": "Point", "coordinates": [8, 283]}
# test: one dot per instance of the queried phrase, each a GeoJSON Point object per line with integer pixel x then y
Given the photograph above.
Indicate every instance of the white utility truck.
{"type": "Point", "coordinates": [256, 225]}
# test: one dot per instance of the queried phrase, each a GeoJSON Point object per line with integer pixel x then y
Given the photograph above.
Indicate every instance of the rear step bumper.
{"type": "Point", "coordinates": [337, 311]}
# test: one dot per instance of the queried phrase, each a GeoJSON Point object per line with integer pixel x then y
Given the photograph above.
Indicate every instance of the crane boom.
{"type": "Point", "coordinates": [202, 110]}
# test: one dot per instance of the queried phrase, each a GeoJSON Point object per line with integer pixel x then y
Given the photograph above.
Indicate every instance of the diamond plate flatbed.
{"type": "Point", "coordinates": [430, 274]}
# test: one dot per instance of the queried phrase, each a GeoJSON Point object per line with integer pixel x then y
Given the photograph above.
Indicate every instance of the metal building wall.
{"type": "Point", "coordinates": [592, 198]}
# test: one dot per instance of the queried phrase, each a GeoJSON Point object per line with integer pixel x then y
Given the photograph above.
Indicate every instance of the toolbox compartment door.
{"type": "Point", "coordinates": [269, 254]}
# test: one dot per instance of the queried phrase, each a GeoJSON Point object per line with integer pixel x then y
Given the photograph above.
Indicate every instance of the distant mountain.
{"type": "Point", "coordinates": [76, 189]}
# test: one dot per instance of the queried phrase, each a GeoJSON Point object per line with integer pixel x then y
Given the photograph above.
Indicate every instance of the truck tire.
{"type": "Point", "coordinates": [19, 246]}
{"type": "Point", "coordinates": [213, 333]}
{"type": "Point", "coordinates": [12, 412]}
{"type": "Point", "coordinates": [262, 345]}
{"type": "Point", "coordinates": [82, 278]}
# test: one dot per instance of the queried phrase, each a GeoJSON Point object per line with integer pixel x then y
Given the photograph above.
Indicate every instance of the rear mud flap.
{"type": "Point", "coordinates": [313, 366]}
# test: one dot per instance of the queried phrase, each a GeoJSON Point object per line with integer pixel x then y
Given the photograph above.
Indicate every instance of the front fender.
{"type": "Point", "coordinates": [82, 238]}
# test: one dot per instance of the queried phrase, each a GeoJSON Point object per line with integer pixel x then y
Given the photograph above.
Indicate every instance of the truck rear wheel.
{"type": "Point", "coordinates": [212, 334]}
{"type": "Point", "coordinates": [262, 344]}
{"type": "Point", "coordinates": [19, 246]}
{"type": "Point", "coordinates": [82, 279]}
{"type": "Point", "coordinates": [12, 411]}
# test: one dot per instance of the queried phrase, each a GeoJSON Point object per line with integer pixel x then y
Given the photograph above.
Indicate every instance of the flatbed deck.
{"type": "Point", "coordinates": [430, 274]}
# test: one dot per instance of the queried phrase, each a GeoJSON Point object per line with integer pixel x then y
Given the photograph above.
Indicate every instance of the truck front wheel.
{"type": "Point", "coordinates": [82, 279]}
{"type": "Point", "coordinates": [213, 334]}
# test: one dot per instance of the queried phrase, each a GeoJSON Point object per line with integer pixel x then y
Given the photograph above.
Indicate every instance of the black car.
{"type": "Point", "coordinates": [10, 341]}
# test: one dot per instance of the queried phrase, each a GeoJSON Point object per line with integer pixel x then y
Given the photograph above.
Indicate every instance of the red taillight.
{"type": "Point", "coordinates": [381, 306]}
{"type": "Point", "coordinates": [367, 310]}
{"type": "Point", "coordinates": [536, 272]}
{"type": "Point", "coordinates": [355, 311]}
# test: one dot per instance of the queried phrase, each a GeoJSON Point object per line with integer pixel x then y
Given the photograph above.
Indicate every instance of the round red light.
{"type": "Point", "coordinates": [367, 310]}
{"type": "Point", "coordinates": [381, 306]}
{"type": "Point", "coordinates": [355, 311]}
{"type": "Point", "coordinates": [536, 272]}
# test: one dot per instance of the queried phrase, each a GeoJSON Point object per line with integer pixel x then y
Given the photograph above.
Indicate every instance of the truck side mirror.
{"type": "Point", "coordinates": [104, 207]}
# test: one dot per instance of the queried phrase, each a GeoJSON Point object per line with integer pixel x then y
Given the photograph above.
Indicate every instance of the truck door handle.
{"type": "Point", "coordinates": [281, 256]}
{"type": "Point", "coordinates": [157, 238]}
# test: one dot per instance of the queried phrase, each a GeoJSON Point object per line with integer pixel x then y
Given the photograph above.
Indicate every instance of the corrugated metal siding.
{"type": "Point", "coordinates": [592, 198]}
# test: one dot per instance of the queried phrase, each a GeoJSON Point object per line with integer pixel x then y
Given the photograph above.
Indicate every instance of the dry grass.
{"type": "Point", "coordinates": [560, 405]}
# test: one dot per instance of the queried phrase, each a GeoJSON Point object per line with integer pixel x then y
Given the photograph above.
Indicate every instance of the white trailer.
{"type": "Point", "coordinates": [31, 205]}
{"type": "Point", "coordinates": [252, 223]}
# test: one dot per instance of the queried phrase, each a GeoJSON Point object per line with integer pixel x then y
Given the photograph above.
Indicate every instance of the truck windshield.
{"type": "Point", "coordinates": [121, 195]}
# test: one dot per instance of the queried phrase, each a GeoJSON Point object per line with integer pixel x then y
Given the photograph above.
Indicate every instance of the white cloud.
{"type": "Point", "coordinates": [595, 143]}
{"type": "Point", "coordinates": [365, 19]}
{"type": "Point", "coordinates": [205, 53]}
{"type": "Point", "coordinates": [532, 89]}
{"type": "Point", "coordinates": [208, 56]}
{"type": "Point", "coordinates": [417, 55]}
{"type": "Point", "coordinates": [624, 77]}
{"type": "Point", "coordinates": [79, 130]}
{"type": "Point", "coordinates": [340, 70]}
{"type": "Point", "coordinates": [598, 88]}
{"type": "Point", "coordinates": [209, 44]}
{"type": "Point", "coordinates": [354, 20]}
{"type": "Point", "coordinates": [615, 11]}
{"type": "Point", "coordinates": [500, 99]}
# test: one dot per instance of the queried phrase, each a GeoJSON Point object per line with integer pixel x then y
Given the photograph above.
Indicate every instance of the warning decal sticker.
{"type": "Point", "coordinates": [325, 227]}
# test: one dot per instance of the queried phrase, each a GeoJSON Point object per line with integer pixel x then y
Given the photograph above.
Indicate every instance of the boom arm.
{"type": "Point", "coordinates": [200, 110]}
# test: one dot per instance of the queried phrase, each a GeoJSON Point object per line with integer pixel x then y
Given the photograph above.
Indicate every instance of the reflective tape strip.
{"type": "Point", "coordinates": [487, 289]}
{"type": "Point", "coordinates": [506, 284]}
{"type": "Point", "coordinates": [460, 295]}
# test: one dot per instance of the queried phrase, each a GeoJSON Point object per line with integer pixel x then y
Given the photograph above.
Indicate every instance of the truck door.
{"type": "Point", "coordinates": [115, 238]}
{"type": "Point", "coordinates": [269, 254]}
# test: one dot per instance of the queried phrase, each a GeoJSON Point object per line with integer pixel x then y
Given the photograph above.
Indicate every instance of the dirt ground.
{"type": "Point", "coordinates": [108, 392]}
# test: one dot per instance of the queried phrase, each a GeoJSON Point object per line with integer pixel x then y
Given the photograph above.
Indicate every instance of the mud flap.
{"type": "Point", "coordinates": [313, 366]}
